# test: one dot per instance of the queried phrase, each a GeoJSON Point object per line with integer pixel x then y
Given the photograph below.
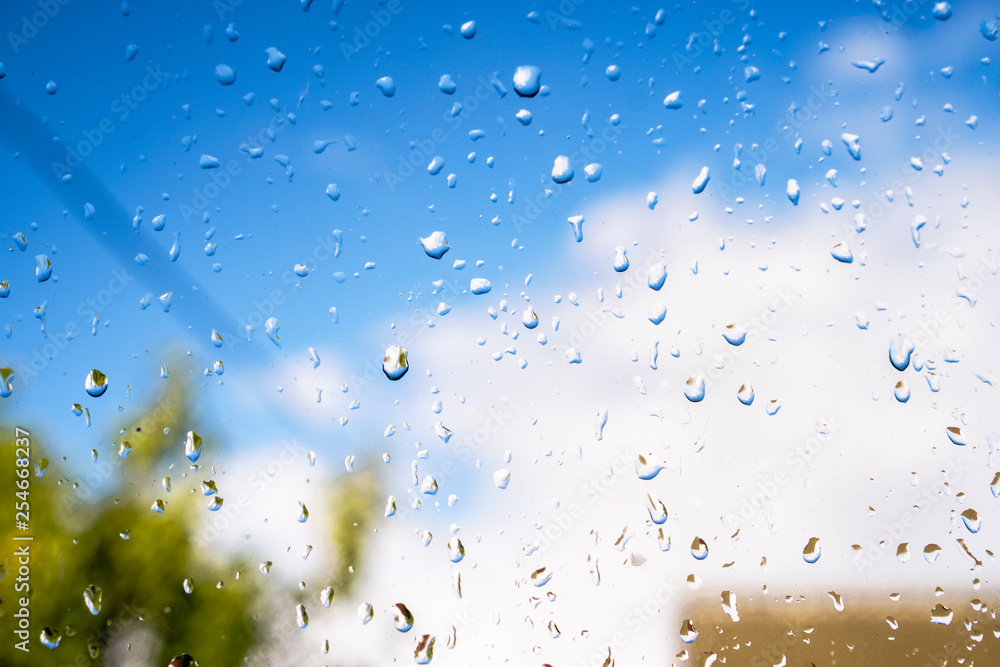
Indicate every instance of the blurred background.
{"type": "Point", "coordinates": [702, 375]}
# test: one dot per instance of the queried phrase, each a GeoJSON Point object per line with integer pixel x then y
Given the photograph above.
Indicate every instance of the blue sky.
{"type": "Point", "coordinates": [731, 251]}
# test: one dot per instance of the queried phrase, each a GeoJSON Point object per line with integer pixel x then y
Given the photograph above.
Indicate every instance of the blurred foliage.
{"type": "Point", "coordinates": [82, 511]}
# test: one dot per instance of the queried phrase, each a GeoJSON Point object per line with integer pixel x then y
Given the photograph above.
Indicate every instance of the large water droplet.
{"type": "Point", "coordinates": [43, 268]}
{"type": "Point", "coordinates": [852, 141]}
{"type": "Point", "coordinates": [301, 616]}
{"type": "Point", "coordinates": [96, 383]}
{"type": "Point", "coordinates": [562, 169]}
{"type": "Point", "coordinates": [402, 617]}
{"type": "Point", "coordinates": [955, 435]}
{"type": "Point", "coordinates": [657, 510]}
{"type": "Point", "coordinates": [745, 393]}
{"type": "Point", "coordinates": [694, 388]}
{"type": "Point", "coordinates": [435, 245]}
{"type": "Point", "coordinates": [734, 334]}
{"type": "Point", "coordinates": [941, 615]}
{"type": "Point", "coordinates": [275, 58]}
{"type": "Point", "coordinates": [647, 468]}
{"type": "Point", "coordinates": [424, 652]}
{"type": "Point", "coordinates": [480, 286]}
{"type": "Point", "coordinates": [395, 364]}
{"type": "Point", "coordinates": [699, 549]}
{"type": "Point", "coordinates": [456, 550]}
{"type": "Point", "coordinates": [527, 80]}
{"type": "Point", "coordinates": [192, 446]}
{"type": "Point", "coordinates": [729, 605]}
{"type": "Point", "coordinates": [386, 85]}
{"type": "Point", "coordinates": [225, 75]}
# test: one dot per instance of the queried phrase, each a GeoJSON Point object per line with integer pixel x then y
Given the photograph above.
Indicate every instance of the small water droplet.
{"type": "Point", "coordinates": [527, 80]}
{"type": "Point", "coordinates": [395, 363]}
{"type": "Point", "coordinates": [192, 446]}
{"type": "Point", "coordinates": [694, 388]}
{"type": "Point", "coordinates": [301, 616]}
{"type": "Point", "coordinates": [92, 596]}
{"type": "Point", "coordinates": [386, 85]}
{"type": "Point", "coordinates": [562, 169]}
{"type": "Point", "coordinates": [225, 75]}
{"type": "Point", "coordinates": [402, 617]}
{"type": "Point", "coordinates": [699, 549]}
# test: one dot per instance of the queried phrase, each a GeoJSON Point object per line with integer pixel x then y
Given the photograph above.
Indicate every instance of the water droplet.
{"type": "Point", "coordinates": [593, 172]}
{"type": "Point", "coordinates": [576, 222]}
{"type": "Point", "coordinates": [657, 276]}
{"type": "Point", "coordinates": [812, 551]}
{"type": "Point", "coordinates": [941, 11]}
{"type": "Point", "coordinates": [562, 170]}
{"type": "Point", "coordinates": [366, 612]}
{"type": "Point", "coordinates": [900, 349]}
{"type": "Point", "coordinates": [694, 388]}
{"type": "Point", "coordinates": [621, 259]}
{"type": "Point", "coordinates": [501, 478]}
{"type": "Point", "coordinates": [456, 550]}
{"type": "Point", "coordinates": [941, 615]}
{"type": "Point", "coordinates": [7, 383]}
{"type": "Point", "coordinates": [192, 446]}
{"type": "Point", "coordinates": [96, 383]}
{"type": "Point", "coordinates": [51, 88]}
{"type": "Point", "coordinates": [772, 407]}
{"type": "Point", "coordinates": [215, 504]}
{"type": "Point", "coordinates": [688, 632]}
{"type": "Point", "coordinates": [793, 191]}
{"type": "Point", "coordinates": [852, 141]}
{"type": "Point", "coordinates": [673, 100]}
{"type": "Point", "coordinates": [225, 75]}
{"type": "Point", "coordinates": [699, 549]}
{"type": "Point", "coordinates": [395, 364]}
{"type": "Point", "coordinates": [402, 617]}
{"type": "Point", "coordinates": [903, 552]}
{"type": "Point", "coordinates": [424, 652]}
{"type": "Point", "coordinates": [436, 245]}
{"type": "Point", "coordinates": [995, 486]}
{"type": "Point", "coordinates": [158, 506]}
{"type": "Point", "coordinates": [734, 334]}
{"type": "Point", "coordinates": [540, 577]}
{"type": "Point", "coordinates": [729, 605]}
{"type": "Point", "coordinates": [271, 327]}
{"type": "Point", "coordinates": [647, 468]}
{"type": "Point", "coordinates": [955, 435]}
{"type": "Point", "coordinates": [92, 596]}
{"type": "Point", "coordinates": [700, 181]}
{"type": "Point", "coordinates": [43, 268]}
{"type": "Point", "coordinates": [971, 519]}
{"type": "Point", "coordinates": [527, 80]}
{"type": "Point", "coordinates": [275, 58]}
{"type": "Point", "coordinates": [468, 29]}
{"type": "Point", "coordinates": [326, 596]}
{"type": "Point", "coordinates": [931, 552]}
{"type": "Point", "coordinates": [301, 616]}
{"type": "Point", "coordinates": [386, 85]}
{"type": "Point", "coordinates": [188, 585]}
{"type": "Point", "coordinates": [745, 393]}
{"type": "Point", "coordinates": [50, 638]}
{"type": "Point", "coordinates": [657, 510]}
{"type": "Point", "coordinates": [480, 286]}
